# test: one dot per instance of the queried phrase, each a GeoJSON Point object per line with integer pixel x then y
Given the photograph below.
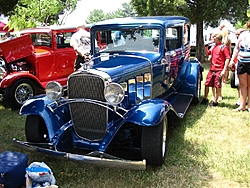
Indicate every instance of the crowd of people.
{"type": "Point", "coordinates": [222, 58]}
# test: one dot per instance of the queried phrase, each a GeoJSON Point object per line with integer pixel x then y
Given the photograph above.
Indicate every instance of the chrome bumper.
{"type": "Point", "coordinates": [95, 158]}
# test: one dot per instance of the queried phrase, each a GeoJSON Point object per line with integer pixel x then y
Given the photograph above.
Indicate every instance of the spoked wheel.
{"type": "Point", "coordinates": [35, 129]}
{"type": "Point", "coordinates": [154, 143]}
{"type": "Point", "coordinates": [19, 92]}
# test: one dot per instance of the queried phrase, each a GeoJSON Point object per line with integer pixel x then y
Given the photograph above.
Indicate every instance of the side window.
{"type": "Point", "coordinates": [41, 39]}
{"type": "Point", "coordinates": [171, 38]}
{"type": "Point", "coordinates": [101, 39]}
{"type": "Point", "coordinates": [186, 34]}
{"type": "Point", "coordinates": [63, 40]}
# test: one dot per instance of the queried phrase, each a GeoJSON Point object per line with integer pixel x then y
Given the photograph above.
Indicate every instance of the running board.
{"type": "Point", "coordinates": [181, 104]}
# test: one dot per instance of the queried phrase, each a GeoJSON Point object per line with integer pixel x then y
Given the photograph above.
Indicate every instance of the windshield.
{"type": "Point", "coordinates": [41, 39]}
{"type": "Point", "coordinates": [127, 40]}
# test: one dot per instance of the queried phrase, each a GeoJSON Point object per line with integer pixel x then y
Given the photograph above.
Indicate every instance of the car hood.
{"type": "Point", "coordinates": [117, 65]}
{"type": "Point", "coordinates": [17, 48]}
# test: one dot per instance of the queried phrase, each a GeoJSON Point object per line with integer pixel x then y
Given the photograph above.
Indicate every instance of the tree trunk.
{"type": "Point", "coordinates": [200, 48]}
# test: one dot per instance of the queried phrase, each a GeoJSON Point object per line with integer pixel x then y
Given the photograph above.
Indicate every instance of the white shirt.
{"type": "Point", "coordinates": [80, 41]}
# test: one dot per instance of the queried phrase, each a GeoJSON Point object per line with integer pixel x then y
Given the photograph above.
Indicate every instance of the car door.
{"type": "Point", "coordinates": [174, 53]}
{"type": "Point", "coordinates": [65, 55]}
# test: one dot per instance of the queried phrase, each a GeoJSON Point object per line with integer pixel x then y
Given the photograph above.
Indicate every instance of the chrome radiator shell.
{"type": "Point", "coordinates": [89, 120]}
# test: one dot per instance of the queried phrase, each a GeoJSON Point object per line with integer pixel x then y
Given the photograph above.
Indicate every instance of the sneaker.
{"type": "Point", "coordinates": [204, 101]}
{"type": "Point", "coordinates": [212, 103]}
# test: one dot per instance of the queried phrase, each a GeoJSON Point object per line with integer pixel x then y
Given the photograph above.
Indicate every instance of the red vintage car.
{"type": "Point", "coordinates": [29, 62]}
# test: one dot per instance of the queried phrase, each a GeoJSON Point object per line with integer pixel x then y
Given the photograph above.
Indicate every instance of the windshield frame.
{"type": "Point", "coordinates": [151, 43]}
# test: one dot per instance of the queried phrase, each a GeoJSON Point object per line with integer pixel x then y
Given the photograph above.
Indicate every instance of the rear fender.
{"type": "Point", "coordinates": [149, 112]}
{"type": "Point", "coordinates": [53, 120]}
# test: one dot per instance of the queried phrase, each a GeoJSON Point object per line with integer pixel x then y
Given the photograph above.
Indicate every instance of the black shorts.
{"type": "Point", "coordinates": [243, 68]}
{"type": "Point", "coordinates": [78, 61]}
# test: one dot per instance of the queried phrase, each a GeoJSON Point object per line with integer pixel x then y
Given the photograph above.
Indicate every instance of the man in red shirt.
{"type": "Point", "coordinates": [219, 64]}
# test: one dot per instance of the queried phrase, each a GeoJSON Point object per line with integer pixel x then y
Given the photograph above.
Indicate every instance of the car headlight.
{"type": "Point", "coordinates": [54, 91]}
{"type": "Point", "coordinates": [114, 93]}
{"type": "Point", "coordinates": [2, 72]}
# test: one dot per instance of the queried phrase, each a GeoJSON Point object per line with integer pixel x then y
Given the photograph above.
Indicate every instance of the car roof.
{"type": "Point", "coordinates": [163, 20]}
{"type": "Point", "coordinates": [48, 29]}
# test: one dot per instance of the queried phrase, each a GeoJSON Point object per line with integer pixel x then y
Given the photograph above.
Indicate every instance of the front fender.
{"type": "Point", "coordinates": [149, 112]}
{"type": "Point", "coordinates": [53, 119]}
{"type": "Point", "coordinates": [8, 80]}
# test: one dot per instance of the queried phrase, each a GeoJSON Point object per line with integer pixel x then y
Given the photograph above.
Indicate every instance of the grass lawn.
{"type": "Point", "coordinates": [209, 148]}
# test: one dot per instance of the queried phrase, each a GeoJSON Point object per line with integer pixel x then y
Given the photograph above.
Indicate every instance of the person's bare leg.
{"type": "Point", "coordinates": [248, 92]}
{"type": "Point", "coordinates": [238, 101]}
{"type": "Point", "coordinates": [206, 92]}
{"type": "Point", "coordinates": [213, 93]}
{"type": "Point", "coordinates": [243, 90]}
{"type": "Point", "coordinates": [225, 77]}
{"type": "Point", "coordinates": [220, 95]}
{"type": "Point", "coordinates": [217, 94]}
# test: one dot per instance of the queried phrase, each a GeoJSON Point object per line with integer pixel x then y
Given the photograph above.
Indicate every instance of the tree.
{"type": "Point", "coordinates": [203, 12]}
{"type": "Point", "coordinates": [156, 7]}
{"type": "Point", "coordinates": [33, 13]}
{"type": "Point", "coordinates": [95, 16]}
{"type": "Point", "coordinates": [99, 15]}
{"type": "Point", "coordinates": [199, 12]}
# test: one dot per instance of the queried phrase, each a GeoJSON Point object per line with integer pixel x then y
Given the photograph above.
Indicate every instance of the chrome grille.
{"type": "Point", "coordinates": [89, 120]}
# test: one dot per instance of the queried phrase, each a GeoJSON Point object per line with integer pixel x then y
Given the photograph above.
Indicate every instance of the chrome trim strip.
{"type": "Point", "coordinates": [99, 159]}
{"type": "Point", "coordinates": [100, 103]}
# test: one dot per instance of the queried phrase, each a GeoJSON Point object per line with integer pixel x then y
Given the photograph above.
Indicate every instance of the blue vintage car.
{"type": "Point", "coordinates": [119, 103]}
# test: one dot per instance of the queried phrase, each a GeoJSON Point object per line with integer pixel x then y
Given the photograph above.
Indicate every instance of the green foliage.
{"type": "Point", "coordinates": [33, 13]}
{"type": "Point", "coordinates": [240, 25]}
{"type": "Point", "coordinates": [96, 15]}
{"type": "Point", "coordinates": [99, 15]}
{"type": "Point", "coordinates": [157, 7]}
{"type": "Point", "coordinates": [198, 11]}
{"type": "Point", "coordinates": [211, 13]}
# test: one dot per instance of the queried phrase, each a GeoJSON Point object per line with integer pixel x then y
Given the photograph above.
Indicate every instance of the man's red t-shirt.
{"type": "Point", "coordinates": [219, 53]}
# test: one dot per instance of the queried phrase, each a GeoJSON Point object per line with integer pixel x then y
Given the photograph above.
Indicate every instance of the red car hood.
{"type": "Point", "coordinates": [17, 48]}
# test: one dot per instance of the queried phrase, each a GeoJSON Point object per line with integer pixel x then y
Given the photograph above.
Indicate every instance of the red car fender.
{"type": "Point", "coordinates": [11, 78]}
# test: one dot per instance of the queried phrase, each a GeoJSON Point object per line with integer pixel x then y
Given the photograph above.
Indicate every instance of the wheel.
{"type": "Point", "coordinates": [19, 92]}
{"type": "Point", "coordinates": [35, 129]}
{"type": "Point", "coordinates": [154, 143]}
{"type": "Point", "coordinates": [232, 80]}
{"type": "Point", "coordinates": [198, 89]}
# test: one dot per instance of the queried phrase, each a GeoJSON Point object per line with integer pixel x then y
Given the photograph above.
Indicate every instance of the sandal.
{"type": "Point", "coordinates": [239, 109]}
